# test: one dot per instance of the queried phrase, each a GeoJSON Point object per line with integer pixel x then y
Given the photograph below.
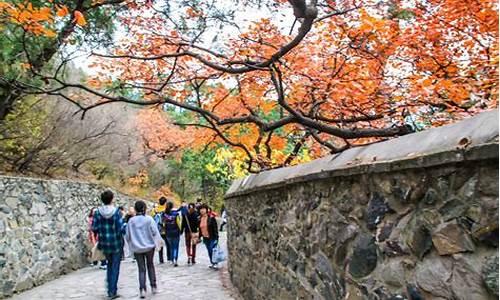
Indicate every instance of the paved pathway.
{"type": "Point", "coordinates": [196, 282]}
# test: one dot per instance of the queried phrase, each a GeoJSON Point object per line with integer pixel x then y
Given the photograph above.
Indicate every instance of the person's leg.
{"type": "Point", "coordinates": [109, 276]}
{"type": "Point", "coordinates": [175, 248]}
{"type": "Point", "coordinates": [208, 244]}
{"type": "Point", "coordinates": [162, 248]}
{"type": "Point", "coordinates": [187, 237]}
{"type": "Point", "coordinates": [114, 265]}
{"type": "Point", "coordinates": [169, 248]}
{"type": "Point", "coordinates": [141, 265]}
{"type": "Point", "coordinates": [151, 268]}
{"type": "Point", "coordinates": [193, 253]}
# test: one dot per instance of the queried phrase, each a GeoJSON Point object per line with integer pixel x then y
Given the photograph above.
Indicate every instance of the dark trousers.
{"type": "Point", "coordinates": [210, 244]}
{"type": "Point", "coordinates": [160, 252]}
{"type": "Point", "coordinates": [190, 247]}
{"type": "Point", "coordinates": [173, 247]}
{"type": "Point", "coordinates": [113, 272]}
{"type": "Point", "coordinates": [222, 225]}
{"type": "Point", "coordinates": [145, 260]}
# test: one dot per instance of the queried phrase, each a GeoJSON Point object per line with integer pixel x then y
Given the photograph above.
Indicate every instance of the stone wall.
{"type": "Point", "coordinates": [43, 229]}
{"type": "Point", "coordinates": [380, 222]}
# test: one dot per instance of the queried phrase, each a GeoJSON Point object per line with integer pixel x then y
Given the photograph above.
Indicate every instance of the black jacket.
{"type": "Point", "coordinates": [194, 222]}
{"type": "Point", "coordinates": [213, 230]}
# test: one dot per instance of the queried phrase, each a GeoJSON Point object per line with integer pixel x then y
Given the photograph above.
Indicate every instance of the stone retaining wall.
{"type": "Point", "coordinates": [412, 226]}
{"type": "Point", "coordinates": [43, 229]}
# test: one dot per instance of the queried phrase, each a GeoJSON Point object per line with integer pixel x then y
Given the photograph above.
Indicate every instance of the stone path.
{"type": "Point", "coordinates": [183, 282]}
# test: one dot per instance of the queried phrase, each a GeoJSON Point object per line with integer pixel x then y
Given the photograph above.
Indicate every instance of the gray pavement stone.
{"type": "Point", "coordinates": [182, 283]}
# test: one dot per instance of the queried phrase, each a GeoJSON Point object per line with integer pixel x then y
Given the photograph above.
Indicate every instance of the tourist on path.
{"type": "Point", "coordinates": [142, 237]}
{"type": "Point", "coordinates": [173, 224]}
{"type": "Point", "coordinates": [223, 215]}
{"type": "Point", "coordinates": [157, 214]}
{"type": "Point", "coordinates": [190, 224]}
{"type": "Point", "coordinates": [108, 224]}
{"type": "Point", "coordinates": [93, 238]}
{"type": "Point", "coordinates": [209, 232]}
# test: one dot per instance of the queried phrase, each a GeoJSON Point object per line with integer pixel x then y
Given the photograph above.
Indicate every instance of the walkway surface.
{"type": "Point", "coordinates": [182, 282]}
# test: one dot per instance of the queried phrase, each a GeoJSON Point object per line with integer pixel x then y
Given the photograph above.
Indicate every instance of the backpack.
{"type": "Point", "coordinates": [172, 222]}
{"type": "Point", "coordinates": [158, 220]}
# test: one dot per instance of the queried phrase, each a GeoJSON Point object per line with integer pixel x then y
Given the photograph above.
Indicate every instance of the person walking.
{"type": "Point", "coordinates": [223, 215]}
{"type": "Point", "coordinates": [157, 214]}
{"type": "Point", "coordinates": [173, 224]}
{"type": "Point", "coordinates": [93, 237]}
{"type": "Point", "coordinates": [142, 237]}
{"type": "Point", "coordinates": [190, 224]}
{"type": "Point", "coordinates": [108, 224]}
{"type": "Point", "coordinates": [209, 232]}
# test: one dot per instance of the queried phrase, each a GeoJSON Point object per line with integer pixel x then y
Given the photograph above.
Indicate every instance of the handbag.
{"type": "Point", "coordinates": [218, 254]}
{"type": "Point", "coordinates": [97, 254]}
{"type": "Point", "coordinates": [195, 237]}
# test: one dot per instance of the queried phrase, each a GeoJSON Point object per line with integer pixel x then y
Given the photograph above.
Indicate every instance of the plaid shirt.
{"type": "Point", "coordinates": [110, 232]}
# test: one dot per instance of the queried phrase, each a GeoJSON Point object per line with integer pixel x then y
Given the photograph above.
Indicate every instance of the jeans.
{"type": "Point", "coordinates": [190, 247]}
{"type": "Point", "coordinates": [146, 260]}
{"type": "Point", "coordinates": [173, 247]}
{"type": "Point", "coordinates": [210, 244]}
{"type": "Point", "coordinates": [113, 272]}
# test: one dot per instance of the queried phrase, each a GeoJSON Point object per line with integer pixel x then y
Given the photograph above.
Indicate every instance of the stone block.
{"type": "Point", "coordinates": [364, 256]}
{"type": "Point", "coordinates": [450, 238]}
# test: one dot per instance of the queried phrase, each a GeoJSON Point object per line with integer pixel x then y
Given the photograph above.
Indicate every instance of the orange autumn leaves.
{"type": "Point", "coordinates": [426, 64]}
{"type": "Point", "coordinates": [160, 136]}
{"type": "Point", "coordinates": [39, 21]}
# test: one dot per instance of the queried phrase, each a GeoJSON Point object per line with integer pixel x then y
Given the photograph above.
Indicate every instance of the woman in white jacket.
{"type": "Point", "coordinates": [142, 236]}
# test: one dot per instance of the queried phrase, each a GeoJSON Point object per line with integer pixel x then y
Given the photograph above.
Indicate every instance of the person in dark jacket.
{"type": "Point", "coordinates": [208, 232]}
{"type": "Point", "coordinates": [173, 224]}
{"type": "Point", "coordinates": [190, 224]}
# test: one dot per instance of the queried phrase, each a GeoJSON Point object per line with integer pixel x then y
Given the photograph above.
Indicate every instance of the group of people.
{"type": "Point", "coordinates": [116, 233]}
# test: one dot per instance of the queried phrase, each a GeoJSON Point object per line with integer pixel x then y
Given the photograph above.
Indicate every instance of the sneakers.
{"type": "Point", "coordinates": [214, 267]}
{"type": "Point", "coordinates": [193, 261]}
{"type": "Point", "coordinates": [142, 294]}
{"type": "Point", "coordinates": [102, 267]}
{"type": "Point", "coordinates": [175, 264]}
{"type": "Point", "coordinates": [114, 296]}
{"type": "Point", "coordinates": [189, 260]}
{"type": "Point", "coordinates": [154, 290]}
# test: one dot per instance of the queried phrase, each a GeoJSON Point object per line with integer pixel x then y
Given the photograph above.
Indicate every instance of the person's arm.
{"type": "Point", "coordinates": [95, 223]}
{"type": "Point", "coordinates": [119, 223]}
{"type": "Point", "coordinates": [127, 234]}
{"type": "Point", "coordinates": [215, 229]}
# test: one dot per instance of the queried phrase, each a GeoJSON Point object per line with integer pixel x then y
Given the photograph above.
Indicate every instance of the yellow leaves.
{"type": "Point", "coordinates": [79, 18]}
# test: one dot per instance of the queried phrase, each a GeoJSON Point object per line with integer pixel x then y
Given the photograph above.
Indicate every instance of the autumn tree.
{"type": "Point", "coordinates": [38, 35]}
{"type": "Point", "coordinates": [337, 75]}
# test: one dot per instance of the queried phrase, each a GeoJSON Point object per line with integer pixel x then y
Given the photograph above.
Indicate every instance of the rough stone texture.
{"type": "Point", "coordinates": [490, 274]}
{"type": "Point", "coordinates": [43, 229]}
{"type": "Point", "coordinates": [423, 227]}
{"type": "Point", "coordinates": [450, 238]}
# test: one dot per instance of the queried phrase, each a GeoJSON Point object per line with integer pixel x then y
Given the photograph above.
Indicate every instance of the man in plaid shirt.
{"type": "Point", "coordinates": [108, 224]}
